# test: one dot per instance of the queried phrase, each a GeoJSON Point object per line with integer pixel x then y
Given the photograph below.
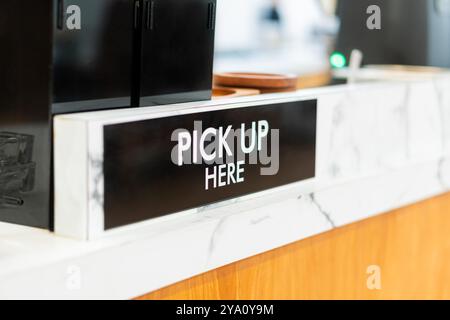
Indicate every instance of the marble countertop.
{"type": "Point", "coordinates": [381, 146]}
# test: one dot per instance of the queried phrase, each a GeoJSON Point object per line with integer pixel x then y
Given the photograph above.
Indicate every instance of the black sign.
{"type": "Point", "coordinates": [161, 166]}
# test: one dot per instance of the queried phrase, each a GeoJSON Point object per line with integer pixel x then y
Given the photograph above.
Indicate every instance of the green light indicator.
{"type": "Point", "coordinates": [338, 60]}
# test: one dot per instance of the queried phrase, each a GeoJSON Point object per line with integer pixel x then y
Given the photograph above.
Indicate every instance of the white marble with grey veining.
{"type": "Point", "coordinates": [381, 146]}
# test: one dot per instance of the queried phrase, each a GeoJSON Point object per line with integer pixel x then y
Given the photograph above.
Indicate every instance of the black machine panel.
{"type": "Point", "coordinates": [177, 51]}
{"type": "Point", "coordinates": [92, 54]}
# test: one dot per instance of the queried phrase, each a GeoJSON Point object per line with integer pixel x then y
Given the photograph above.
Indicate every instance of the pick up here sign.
{"type": "Point", "coordinates": [161, 166]}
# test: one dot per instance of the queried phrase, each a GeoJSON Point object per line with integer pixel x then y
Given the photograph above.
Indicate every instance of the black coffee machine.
{"type": "Point", "coordinates": [62, 56]}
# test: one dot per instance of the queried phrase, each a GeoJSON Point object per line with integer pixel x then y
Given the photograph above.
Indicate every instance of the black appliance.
{"type": "Point", "coordinates": [122, 53]}
{"type": "Point", "coordinates": [413, 32]}
{"type": "Point", "coordinates": [176, 51]}
{"type": "Point", "coordinates": [62, 56]}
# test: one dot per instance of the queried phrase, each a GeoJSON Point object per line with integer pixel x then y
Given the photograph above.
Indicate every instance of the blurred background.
{"type": "Point", "coordinates": [307, 36]}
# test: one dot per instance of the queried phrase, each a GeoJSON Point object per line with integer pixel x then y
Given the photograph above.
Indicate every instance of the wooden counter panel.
{"type": "Point", "coordinates": [411, 246]}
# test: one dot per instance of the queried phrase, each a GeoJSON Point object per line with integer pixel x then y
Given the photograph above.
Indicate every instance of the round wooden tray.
{"type": "Point", "coordinates": [256, 80]}
{"type": "Point", "coordinates": [223, 92]}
